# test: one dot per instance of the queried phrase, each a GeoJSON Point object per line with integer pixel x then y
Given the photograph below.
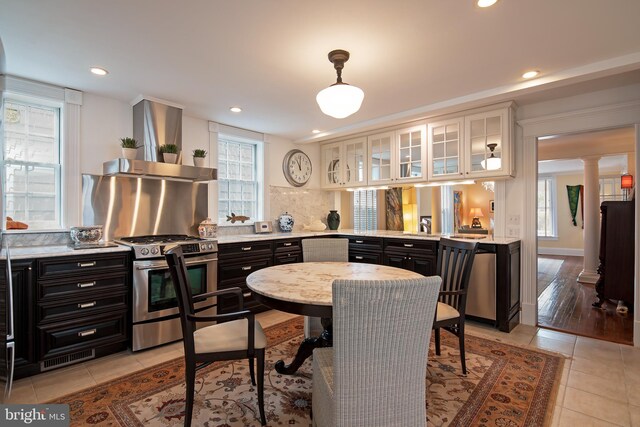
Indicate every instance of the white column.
{"type": "Point", "coordinates": [591, 220]}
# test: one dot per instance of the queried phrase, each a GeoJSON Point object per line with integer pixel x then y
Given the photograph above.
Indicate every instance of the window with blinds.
{"type": "Point", "coordinates": [31, 163]}
{"type": "Point", "coordinates": [547, 207]}
{"type": "Point", "coordinates": [365, 210]}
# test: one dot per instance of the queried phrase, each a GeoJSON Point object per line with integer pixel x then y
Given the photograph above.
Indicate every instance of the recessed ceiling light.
{"type": "Point", "coordinates": [486, 3]}
{"type": "Point", "coordinates": [235, 109]}
{"type": "Point", "coordinates": [99, 71]}
{"type": "Point", "coordinates": [315, 131]}
{"type": "Point", "coordinates": [530, 74]}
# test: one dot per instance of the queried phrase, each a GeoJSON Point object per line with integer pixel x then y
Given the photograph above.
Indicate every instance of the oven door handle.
{"type": "Point", "coordinates": [164, 265]}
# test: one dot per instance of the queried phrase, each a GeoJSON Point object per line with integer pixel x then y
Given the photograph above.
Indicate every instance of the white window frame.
{"type": "Point", "coordinates": [258, 177]}
{"type": "Point", "coordinates": [365, 210]}
{"type": "Point", "coordinates": [616, 181]}
{"type": "Point", "coordinates": [554, 206]}
{"type": "Point", "coordinates": [70, 114]}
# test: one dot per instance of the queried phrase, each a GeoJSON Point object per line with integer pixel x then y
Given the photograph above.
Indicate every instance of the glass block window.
{"type": "Point", "coordinates": [238, 185]}
{"type": "Point", "coordinates": [547, 207]}
{"type": "Point", "coordinates": [365, 210]}
{"type": "Point", "coordinates": [31, 164]}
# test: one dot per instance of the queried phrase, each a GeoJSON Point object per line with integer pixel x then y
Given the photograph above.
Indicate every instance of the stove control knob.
{"type": "Point", "coordinates": [155, 250]}
{"type": "Point", "coordinates": [210, 246]}
{"type": "Point", "coordinates": [203, 246]}
{"type": "Point", "coordinates": [144, 251]}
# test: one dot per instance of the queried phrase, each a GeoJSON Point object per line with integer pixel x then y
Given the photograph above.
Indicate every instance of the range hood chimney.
{"type": "Point", "coordinates": [155, 123]}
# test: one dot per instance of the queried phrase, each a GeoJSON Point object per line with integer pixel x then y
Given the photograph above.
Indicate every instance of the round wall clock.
{"type": "Point", "coordinates": [296, 167]}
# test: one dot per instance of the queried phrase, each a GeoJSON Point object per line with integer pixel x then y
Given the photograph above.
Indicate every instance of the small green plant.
{"type": "Point", "coordinates": [129, 143]}
{"type": "Point", "coordinates": [169, 149]}
{"type": "Point", "coordinates": [198, 152]}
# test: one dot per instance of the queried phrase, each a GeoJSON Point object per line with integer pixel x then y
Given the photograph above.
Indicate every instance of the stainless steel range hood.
{"type": "Point", "coordinates": [155, 124]}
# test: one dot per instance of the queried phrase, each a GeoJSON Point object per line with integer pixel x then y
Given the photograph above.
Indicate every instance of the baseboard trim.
{"type": "Point", "coordinates": [560, 251]}
{"type": "Point", "coordinates": [529, 314]}
{"type": "Point", "coordinates": [636, 333]}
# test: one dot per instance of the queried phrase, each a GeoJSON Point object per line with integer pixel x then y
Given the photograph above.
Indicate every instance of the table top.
{"type": "Point", "coordinates": [310, 282]}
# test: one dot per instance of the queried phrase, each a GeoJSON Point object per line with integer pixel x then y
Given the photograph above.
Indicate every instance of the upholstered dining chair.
{"type": "Point", "coordinates": [242, 338]}
{"type": "Point", "coordinates": [322, 250]}
{"type": "Point", "coordinates": [375, 374]}
{"type": "Point", "coordinates": [455, 261]}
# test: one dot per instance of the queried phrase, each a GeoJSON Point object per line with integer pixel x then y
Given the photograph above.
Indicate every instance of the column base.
{"type": "Point", "coordinates": [590, 277]}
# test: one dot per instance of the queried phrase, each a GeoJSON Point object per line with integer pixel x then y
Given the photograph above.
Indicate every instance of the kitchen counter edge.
{"type": "Point", "coordinates": [26, 252]}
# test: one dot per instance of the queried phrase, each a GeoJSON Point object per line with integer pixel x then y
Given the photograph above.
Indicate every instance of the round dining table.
{"type": "Point", "coordinates": [306, 289]}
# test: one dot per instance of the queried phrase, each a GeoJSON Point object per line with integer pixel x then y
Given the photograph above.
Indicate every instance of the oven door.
{"type": "Point", "coordinates": [154, 296]}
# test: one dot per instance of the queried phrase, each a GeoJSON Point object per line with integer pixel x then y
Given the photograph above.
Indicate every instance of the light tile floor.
{"type": "Point", "coordinates": [600, 385]}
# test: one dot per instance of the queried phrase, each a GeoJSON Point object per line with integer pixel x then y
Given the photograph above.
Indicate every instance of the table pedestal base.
{"type": "Point", "coordinates": [306, 348]}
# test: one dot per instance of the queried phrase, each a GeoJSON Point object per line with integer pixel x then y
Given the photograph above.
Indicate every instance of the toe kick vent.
{"type": "Point", "coordinates": [68, 359]}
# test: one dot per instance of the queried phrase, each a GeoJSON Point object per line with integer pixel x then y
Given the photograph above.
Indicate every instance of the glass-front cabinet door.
{"type": "Point", "coordinates": [488, 143]}
{"type": "Point", "coordinates": [380, 152]}
{"type": "Point", "coordinates": [445, 149]}
{"type": "Point", "coordinates": [411, 154]}
{"type": "Point", "coordinates": [331, 167]}
{"type": "Point", "coordinates": [354, 171]}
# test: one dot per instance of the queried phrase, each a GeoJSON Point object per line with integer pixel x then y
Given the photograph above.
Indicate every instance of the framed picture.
{"type": "Point", "coordinates": [491, 206]}
{"type": "Point", "coordinates": [425, 224]}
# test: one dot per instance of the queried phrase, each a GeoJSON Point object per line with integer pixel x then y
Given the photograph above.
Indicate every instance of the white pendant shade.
{"type": "Point", "coordinates": [340, 100]}
{"type": "Point", "coordinates": [492, 163]}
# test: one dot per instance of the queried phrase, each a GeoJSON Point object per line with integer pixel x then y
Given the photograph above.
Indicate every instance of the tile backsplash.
{"type": "Point", "coordinates": [305, 205]}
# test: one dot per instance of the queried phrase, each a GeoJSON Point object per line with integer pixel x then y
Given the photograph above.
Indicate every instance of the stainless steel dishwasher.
{"type": "Point", "coordinates": [481, 295]}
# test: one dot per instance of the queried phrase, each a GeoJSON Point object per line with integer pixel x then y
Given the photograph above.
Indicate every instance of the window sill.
{"type": "Point", "coordinates": [547, 237]}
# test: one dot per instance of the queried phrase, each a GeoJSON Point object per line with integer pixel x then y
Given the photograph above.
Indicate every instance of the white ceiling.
{"type": "Point", "coordinates": [607, 165]}
{"type": "Point", "coordinates": [412, 58]}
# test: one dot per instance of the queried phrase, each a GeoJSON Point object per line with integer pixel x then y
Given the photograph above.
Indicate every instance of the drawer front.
{"type": "Point", "coordinates": [64, 266]}
{"type": "Point", "coordinates": [287, 245]}
{"type": "Point", "coordinates": [227, 271]}
{"type": "Point", "coordinates": [287, 258]}
{"type": "Point", "coordinates": [365, 257]}
{"type": "Point", "coordinates": [238, 250]}
{"type": "Point", "coordinates": [60, 338]}
{"type": "Point", "coordinates": [229, 303]}
{"type": "Point", "coordinates": [80, 286]}
{"type": "Point", "coordinates": [366, 243]}
{"type": "Point", "coordinates": [411, 246]}
{"type": "Point", "coordinates": [53, 312]}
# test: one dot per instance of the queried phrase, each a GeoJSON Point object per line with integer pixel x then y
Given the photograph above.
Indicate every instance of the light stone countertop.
{"type": "Point", "coordinates": [283, 282]}
{"type": "Point", "coordinates": [25, 252]}
{"type": "Point", "coordinates": [242, 238]}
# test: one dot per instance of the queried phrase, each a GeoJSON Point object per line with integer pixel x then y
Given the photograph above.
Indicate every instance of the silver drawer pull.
{"type": "Point", "coordinates": [87, 304]}
{"type": "Point", "coordinates": [359, 241]}
{"type": "Point", "coordinates": [87, 264]}
{"type": "Point", "coordinates": [287, 244]}
{"type": "Point", "coordinates": [408, 245]}
{"type": "Point", "coordinates": [246, 268]}
{"type": "Point", "coordinates": [359, 257]}
{"type": "Point", "coordinates": [246, 248]}
{"type": "Point", "coordinates": [87, 332]}
{"type": "Point", "coordinates": [247, 295]}
{"type": "Point", "coordinates": [86, 285]}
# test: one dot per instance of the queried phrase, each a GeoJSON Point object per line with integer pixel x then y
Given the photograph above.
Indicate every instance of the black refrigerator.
{"type": "Point", "coordinates": [7, 341]}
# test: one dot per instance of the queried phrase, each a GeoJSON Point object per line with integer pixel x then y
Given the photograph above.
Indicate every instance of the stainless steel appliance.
{"type": "Point", "coordinates": [7, 342]}
{"type": "Point", "coordinates": [481, 295]}
{"type": "Point", "coordinates": [155, 312]}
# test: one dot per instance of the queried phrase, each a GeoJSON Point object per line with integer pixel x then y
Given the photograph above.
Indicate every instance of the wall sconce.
{"type": "Point", "coordinates": [626, 183]}
{"type": "Point", "coordinates": [476, 213]}
{"type": "Point", "coordinates": [340, 100]}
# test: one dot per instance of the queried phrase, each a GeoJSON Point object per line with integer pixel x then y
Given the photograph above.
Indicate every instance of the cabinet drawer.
{"type": "Point", "coordinates": [287, 245]}
{"type": "Point", "coordinates": [237, 250]}
{"type": "Point", "coordinates": [62, 266]}
{"type": "Point", "coordinates": [239, 269]}
{"type": "Point", "coordinates": [411, 246]}
{"type": "Point", "coordinates": [51, 312]}
{"type": "Point", "coordinates": [368, 243]}
{"type": "Point", "coordinates": [365, 257]}
{"type": "Point", "coordinates": [287, 258]}
{"type": "Point", "coordinates": [65, 337]}
{"type": "Point", "coordinates": [80, 286]}
{"type": "Point", "coordinates": [229, 303]}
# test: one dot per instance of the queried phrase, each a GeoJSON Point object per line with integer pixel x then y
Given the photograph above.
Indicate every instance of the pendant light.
{"type": "Point", "coordinates": [493, 162]}
{"type": "Point", "coordinates": [340, 100]}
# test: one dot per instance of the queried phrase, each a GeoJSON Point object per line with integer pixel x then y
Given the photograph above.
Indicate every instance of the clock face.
{"type": "Point", "coordinates": [296, 168]}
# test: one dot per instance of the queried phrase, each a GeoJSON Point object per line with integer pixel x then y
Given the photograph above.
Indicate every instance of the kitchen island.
{"type": "Point", "coordinates": [495, 288]}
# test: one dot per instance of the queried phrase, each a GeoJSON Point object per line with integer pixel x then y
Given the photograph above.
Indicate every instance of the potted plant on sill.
{"type": "Point", "coordinates": [129, 148]}
{"type": "Point", "coordinates": [198, 157]}
{"type": "Point", "coordinates": [169, 153]}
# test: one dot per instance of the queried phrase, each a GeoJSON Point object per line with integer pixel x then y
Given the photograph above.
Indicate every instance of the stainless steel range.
{"type": "Point", "coordinates": [155, 315]}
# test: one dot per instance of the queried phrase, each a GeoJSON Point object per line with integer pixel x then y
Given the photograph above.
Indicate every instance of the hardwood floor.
{"type": "Point", "coordinates": [565, 305]}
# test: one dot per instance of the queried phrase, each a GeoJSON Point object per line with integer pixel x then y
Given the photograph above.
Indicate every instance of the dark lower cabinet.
{"type": "Point", "coordinates": [412, 254]}
{"type": "Point", "coordinates": [26, 360]}
{"type": "Point", "coordinates": [365, 257]}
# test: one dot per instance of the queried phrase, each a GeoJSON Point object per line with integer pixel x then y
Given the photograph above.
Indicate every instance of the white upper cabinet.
{"type": "Point", "coordinates": [398, 156]}
{"type": "Point", "coordinates": [445, 150]}
{"type": "Point", "coordinates": [343, 163]}
{"type": "Point", "coordinates": [488, 144]}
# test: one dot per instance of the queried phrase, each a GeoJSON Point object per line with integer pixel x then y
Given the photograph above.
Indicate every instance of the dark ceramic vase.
{"type": "Point", "coordinates": [333, 220]}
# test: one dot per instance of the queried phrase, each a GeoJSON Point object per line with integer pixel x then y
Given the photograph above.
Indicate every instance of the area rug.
{"type": "Point", "coordinates": [506, 386]}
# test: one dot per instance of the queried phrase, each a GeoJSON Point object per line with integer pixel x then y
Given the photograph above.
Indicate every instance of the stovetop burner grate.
{"type": "Point", "coordinates": [162, 238]}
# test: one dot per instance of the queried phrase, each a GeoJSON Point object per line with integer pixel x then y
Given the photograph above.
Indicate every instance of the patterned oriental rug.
{"type": "Point", "coordinates": [507, 386]}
